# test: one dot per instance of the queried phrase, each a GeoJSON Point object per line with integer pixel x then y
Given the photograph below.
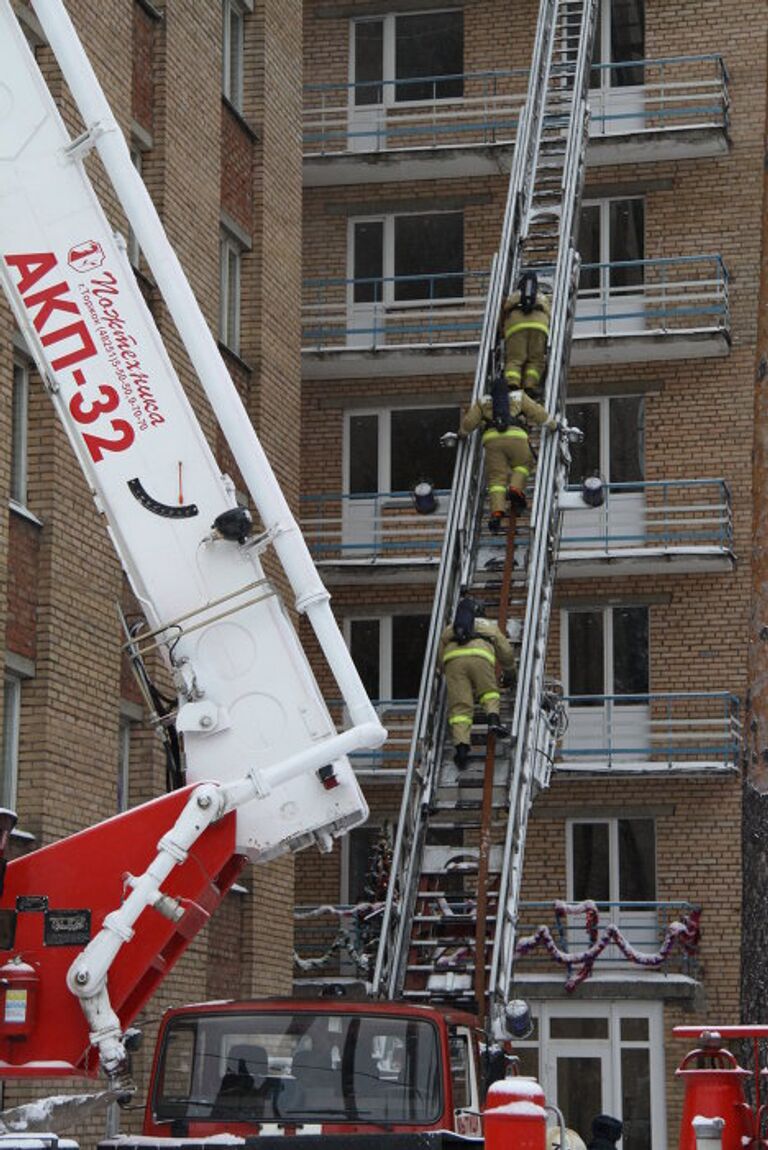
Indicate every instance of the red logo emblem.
{"type": "Point", "coordinates": [86, 257]}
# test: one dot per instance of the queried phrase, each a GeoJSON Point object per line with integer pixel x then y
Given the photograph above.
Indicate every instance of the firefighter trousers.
{"type": "Point", "coordinates": [525, 357]}
{"type": "Point", "coordinates": [469, 679]}
{"type": "Point", "coordinates": [508, 464]}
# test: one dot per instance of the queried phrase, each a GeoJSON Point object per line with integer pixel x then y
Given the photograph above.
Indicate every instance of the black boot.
{"type": "Point", "coordinates": [461, 756]}
{"type": "Point", "coordinates": [495, 724]}
{"type": "Point", "coordinates": [494, 524]}
{"type": "Point", "coordinates": [517, 500]}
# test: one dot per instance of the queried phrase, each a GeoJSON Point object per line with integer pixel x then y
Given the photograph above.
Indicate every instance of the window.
{"type": "Point", "coordinates": [612, 860]}
{"type": "Point", "coordinates": [134, 251]}
{"type": "Point", "coordinates": [388, 651]}
{"type": "Point", "coordinates": [10, 742]}
{"type": "Point", "coordinates": [233, 39]}
{"type": "Point", "coordinates": [614, 438]}
{"type": "Point", "coordinates": [19, 432]}
{"type": "Point", "coordinates": [406, 58]}
{"type": "Point", "coordinates": [602, 1058]}
{"type": "Point", "coordinates": [124, 763]}
{"type": "Point", "coordinates": [407, 257]}
{"type": "Point", "coordinates": [619, 39]}
{"type": "Point", "coordinates": [612, 232]}
{"type": "Point", "coordinates": [391, 450]}
{"type": "Point", "coordinates": [230, 273]}
{"type": "Point", "coordinates": [607, 653]}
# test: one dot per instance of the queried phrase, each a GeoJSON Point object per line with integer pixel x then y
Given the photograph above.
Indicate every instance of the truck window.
{"type": "Point", "coordinates": [462, 1087]}
{"type": "Point", "coordinates": [300, 1067]}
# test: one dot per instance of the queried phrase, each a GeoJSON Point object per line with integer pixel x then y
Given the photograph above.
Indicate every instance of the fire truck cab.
{"type": "Point", "coordinates": [291, 1066]}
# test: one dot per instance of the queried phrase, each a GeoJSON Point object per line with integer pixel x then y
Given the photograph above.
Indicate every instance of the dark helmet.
{"type": "Point", "coordinates": [528, 287]}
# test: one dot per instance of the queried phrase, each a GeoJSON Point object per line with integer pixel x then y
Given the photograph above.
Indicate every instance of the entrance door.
{"type": "Point", "coordinates": [614, 447]}
{"type": "Point", "coordinates": [581, 1083]}
{"type": "Point", "coordinates": [617, 92]}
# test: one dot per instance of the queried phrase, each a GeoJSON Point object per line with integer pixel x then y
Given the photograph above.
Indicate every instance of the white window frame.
{"type": "Point", "coordinates": [388, 58]}
{"type": "Point", "coordinates": [9, 776]}
{"type": "Point", "coordinates": [385, 645]}
{"type": "Point", "coordinates": [613, 852]}
{"type": "Point", "coordinates": [605, 48]}
{"type": "Point", "coordinates": [20, 431]}
{"type": "Point", "coordinates": [129, 719]}
{"type": "Point", "coordinates": [614, 1011]}
{"type": "Point", "coordinates": [388, 260]}
{"type": "Point", "coordinates": [604, 403]}
{"type": "Point", "coordinates": [606, 256]}
{"type": "Point", "coordinates": [384, 416]}
{"type": "Point", "coordinates": [233, 12]}
{"type": "Point", "coordinates": [608, 662]}
{"type": "Point", "coordinates": [230, 321]}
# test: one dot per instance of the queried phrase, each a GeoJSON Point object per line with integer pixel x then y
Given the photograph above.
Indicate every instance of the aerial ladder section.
{"type": "Point", "coordinates": [448, 928]}
{"type": "Point", "coordinates": [267, 770]}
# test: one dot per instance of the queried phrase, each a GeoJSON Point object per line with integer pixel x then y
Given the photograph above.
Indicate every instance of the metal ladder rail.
{"type": "Point", "coordinates": [426, 747]}
{"type": "Point", "coordinates": [545, 517]}
{"type": "Point", "coordinates": [423, 759]}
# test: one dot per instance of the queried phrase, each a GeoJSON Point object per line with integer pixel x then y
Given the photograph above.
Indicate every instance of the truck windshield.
{"type": "Point", "coordinates": [299, 1067]}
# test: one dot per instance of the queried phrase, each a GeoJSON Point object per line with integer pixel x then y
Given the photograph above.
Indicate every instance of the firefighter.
{"type": "Point", "coordinates": [469, 649]}
{"type": "Point", "coordinates": [503, 417]}
{"type": "Point", "coordinates": [525, 326]}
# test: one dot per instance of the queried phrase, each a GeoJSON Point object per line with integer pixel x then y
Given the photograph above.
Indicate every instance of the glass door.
{"type": "Point", "coordinates": [612, 247]}
{"type": "Point", "coordinates": [605, 661]}
{"type": "Point", "coordinates": [617, 91]}
{"type": "Point", "coordinates": [614, 447]}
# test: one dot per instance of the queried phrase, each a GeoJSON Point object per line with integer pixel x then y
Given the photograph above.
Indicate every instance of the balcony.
{"type": "Point", "coordinates": [664, 733]}
{"type": "Point", "coordinates": [633, 312]}
{"type": "Point", "coordinates": [672, 108]}
{"type": "Point", "coordinates": [679, 526]}
{"type": "Point", "coordinates": [341, 939]}
{"type": "Point", "coordinates": [389, 761]}
{"type": "Point", "coordinates": [658, 527]}
{"type": "Point", "coordinates": [645, 927]}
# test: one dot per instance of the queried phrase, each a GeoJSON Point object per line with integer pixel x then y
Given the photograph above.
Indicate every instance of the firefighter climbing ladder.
{"type": "Point", "coordinates": [458, 856]}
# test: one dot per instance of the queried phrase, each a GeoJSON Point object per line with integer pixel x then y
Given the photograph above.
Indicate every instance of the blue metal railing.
{"type": "Point", "coordinates": [665, 514]}
{"type": "Point", "coordinates": [655, 731]}
{"type": "Point", "coordinates": [643, 924]}
{"type": "Point", "coordinates": [481, 108]}
{"type": "Point", "coordinates": [687, 515]}
{"type": "Point", "coordinates": [668, 296]}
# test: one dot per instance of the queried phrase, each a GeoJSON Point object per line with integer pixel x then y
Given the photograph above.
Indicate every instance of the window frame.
{"type": "Point", "coordinates": [386, 648]}
{"type": "Point", "coordinates": [604, 450]}
{"type": "Point", "coordinates": [19, 492]}
{"type": "Point", "coordinates": [604, 50]}
{"type": "Point", "coordinates": [11, 737]}
{"type": "Point", "coordinates": [232, 80]}
{"type": "Point", "coordinates": [384, 417]}
{"type": "Point", "coordinates": [605, 254]}
{"type": "Point", "coordinates": [231, 251]}
{"type": "Point", "coordinates": [128, 721]}
{"type": "Point", "coordinates": [608, 642]}
{"type": "Point", "coordinates": [388, 270]}
{"type": "Point", "coordinates": [614, 853]}
{"type": "Point", "coordinates": [389, 60]}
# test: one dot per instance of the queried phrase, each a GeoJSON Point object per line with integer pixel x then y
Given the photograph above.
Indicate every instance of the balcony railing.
{"type": "Point", "coordinates": [658, 733]}
{"type": "Point", "coordinates": [686, 516]}
{"type": "Point", "coordinates": [689, 518]}
{"type": "Point", "coordinates": [373, 527]}
{"type": "Point", "coordinates": [676, 296]}
{"type": "Point", "coordinates": [340, 938]}
{"type": "Point", "coordinates": [645, 927]}
{"type": "Point", "coordinates": [668, 732]}
{"type": "Point", "coordinates": [391, 759]}
{"type": "Point", "coordinates": [666, 94]}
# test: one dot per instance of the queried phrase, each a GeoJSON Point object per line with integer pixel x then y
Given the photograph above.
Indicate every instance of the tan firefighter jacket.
{"type": "Point", "coordinates": [520, 404]}
{"type": "Point", "coordinates": [488, 643]}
